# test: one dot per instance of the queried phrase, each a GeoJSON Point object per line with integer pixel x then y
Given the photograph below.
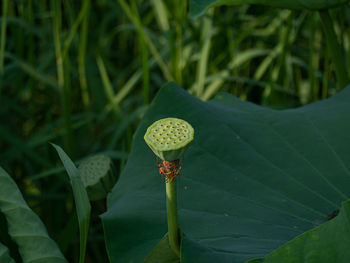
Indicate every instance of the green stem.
{"type": "Point", "coordinates": [335, 49]}
{"type": "Point", "coordinates": [62, 76]}
{"type": "Point", "coordinates": [171, 204]}
{"type": "Point", "coordinates": [143, 51]}
{"type": "Point", "coordinates": [3, 35]}
{"type": "Point", "coordinates": [152, 48]}
{"type": "Point", "coordinates": [82, 53]}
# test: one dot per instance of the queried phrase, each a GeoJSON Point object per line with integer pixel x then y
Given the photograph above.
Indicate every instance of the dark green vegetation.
{"type": "Point", "coordinates": [81, 74]}
{"type": "Point", "coordinates": [198, 6]}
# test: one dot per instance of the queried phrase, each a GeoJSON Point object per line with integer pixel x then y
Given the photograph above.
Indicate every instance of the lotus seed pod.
{"type": "Point", "coordinates": [169, 138]}
{"type": "Point", "coordinates": [98, 175]}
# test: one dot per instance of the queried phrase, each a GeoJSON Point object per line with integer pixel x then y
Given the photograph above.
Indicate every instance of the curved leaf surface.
{"type": "Point", "coordinates": [82, 203]}
{"type": "Point", "coordinates": [25, 227]}
{"type": "Point", "coordinates": [253, 179]}
{"type": "Point", "coordinates": [162, 253]}
{"type": "Point", "coordinates": [326, 243]}
{"type": "Point", "coordinates": [197, 7]}
{"type": "Point", "coordinates": [5, 255]}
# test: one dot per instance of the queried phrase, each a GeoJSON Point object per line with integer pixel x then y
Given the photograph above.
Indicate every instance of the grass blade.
{"type": "Point", "coordinates": [82, 203]}
{"type": "Point", "coordinates": [3, 34]}
{"type": "Point", "coordinates": [108, 86]}
{"type": "Point", "coordinates": [81, 54]}
{"type": "Point", "coordinates": [62, 75]}
{"type": "Point", "coordinates": [33, 72]}
{"type": "Point", "coordinates": [161, 14]}
{"type": "Point", "coordinates": [162, 65]}
{"type": "Point", "coordinates": [335, 49]}
{"type": "Point", "coordinates": [144, 55]}
{"type": "Point", "coordinates": [204, 54]}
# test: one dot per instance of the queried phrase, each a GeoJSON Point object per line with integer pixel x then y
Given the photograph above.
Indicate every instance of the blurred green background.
{"type": "Point", "coordinates": [81, 74]}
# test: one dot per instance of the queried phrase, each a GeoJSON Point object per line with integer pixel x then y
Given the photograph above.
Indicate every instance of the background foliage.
{"type": "Point", "coordinates": [82, 73]}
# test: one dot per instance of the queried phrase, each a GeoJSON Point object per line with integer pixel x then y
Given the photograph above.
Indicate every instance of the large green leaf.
{"type": "Point", "coordinates": [327, 243]}
{"type": "Point", "coordinates": [197, 7]}
{"type": "Point", "coordinates": [25, 227]}
{"type": "Point", "coordinates": [253, 179]}
{"type": "Point", "coordinates": [5, 255]}
{"type": "Point", "coordinates": [162, 253]}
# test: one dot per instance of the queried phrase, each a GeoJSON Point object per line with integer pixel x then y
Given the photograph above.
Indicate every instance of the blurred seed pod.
{"type": "Point", "coordinates": [98, 175]}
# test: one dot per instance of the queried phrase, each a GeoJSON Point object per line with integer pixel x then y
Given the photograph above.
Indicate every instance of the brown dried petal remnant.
{"type": "Point", "coordinates": [170, 170]}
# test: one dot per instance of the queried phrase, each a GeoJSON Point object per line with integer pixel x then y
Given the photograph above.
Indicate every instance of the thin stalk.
{"type": "Point", "coordinates": [336, 50]}
{"type": "Point", "coordinates": [204, 54]}
{"type": "Point", "coordinates": [69, 11]}
{"type": "Point", "coordinates": [81, 54]}
{"type": "Point", "coordinates": [61, 75]}
{"type": "Point", "coordinates": [281, 70]}
{"type": "Point", "coordinates": [312, 59]}
{"type": "Point", "coordinates": [160, 12]}
{"type": "Point", "coordinates": [325, 75]}
{"type": "Point", "coordinates": [107, 85]}
{"type": "Point", "coordinates": [180, 16]}
{"type": "Point", "coordinates": [3, 34]}
{"type": "Point", "coordinates": [171, 205]}
{"type": "Point", "coordinates": [144, 54]}
{"type": "Point", "coordinates": [145, 70]}
{"type": "Point", "coordinates": [152, 48]}
{"type": "Point", "coordinates": [74, 28]}
{"type": "Point", "coordinates": [178, 56]}
{"type": "Point", "coordinates": [30, 40]}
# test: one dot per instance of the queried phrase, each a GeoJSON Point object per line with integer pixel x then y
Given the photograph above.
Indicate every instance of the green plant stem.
{"type": "Point", "coordinates": [335, 49]}
{"type": "Point", "coordinates": [144, 53]}
{"type": "Point", "coordinates": [108, 87]}
{"type": "Point", "coordinates": [179, 17]}
{"type": "Point", "coordinates": [206, 36]}
{"type": "Point", "coordinates": [62, 76]}
{"type": "Point", "coordinates": [3, 34]}
{"type": "Point", "coordinates": [171, 205]}
{"type": "Point", "coordinates": [152, 48]}
{"type": "Point", "coordinates": [82, 53]}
